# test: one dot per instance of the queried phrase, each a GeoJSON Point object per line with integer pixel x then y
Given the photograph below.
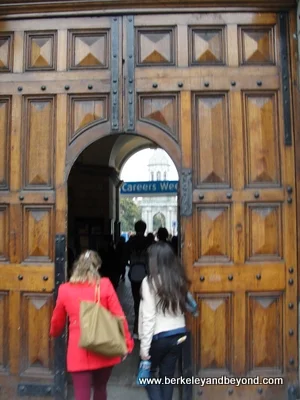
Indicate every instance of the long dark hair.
{"type": "Point", "coordinates": [167, 277]}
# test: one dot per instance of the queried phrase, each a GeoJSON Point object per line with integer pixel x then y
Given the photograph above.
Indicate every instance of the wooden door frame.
{"type": "Point", "coordinates": [38, 7]}
{"type": "Point", "coordinates": [295, 93]}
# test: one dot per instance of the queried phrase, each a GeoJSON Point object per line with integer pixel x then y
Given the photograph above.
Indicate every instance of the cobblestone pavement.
{"type": "Point", "coordinates": [122, 382]}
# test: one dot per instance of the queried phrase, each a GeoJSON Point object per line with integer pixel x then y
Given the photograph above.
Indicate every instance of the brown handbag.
{"type": "Point", "coordinates": [101, 331]}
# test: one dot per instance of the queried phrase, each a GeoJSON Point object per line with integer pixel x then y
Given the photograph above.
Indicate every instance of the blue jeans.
{"type": "Point", "coordinates": [164, 355]}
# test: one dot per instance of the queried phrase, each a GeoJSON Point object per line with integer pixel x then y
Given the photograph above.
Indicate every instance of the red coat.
{"type": "Point", "coordinates": [68, 304]}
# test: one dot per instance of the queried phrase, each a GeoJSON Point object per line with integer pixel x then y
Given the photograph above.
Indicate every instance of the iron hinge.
{"type": "Point", "coordinates": [31, 389]}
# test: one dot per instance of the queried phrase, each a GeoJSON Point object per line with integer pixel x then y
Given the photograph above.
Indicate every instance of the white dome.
{"type": "Point", "coordinates": [159, 158]}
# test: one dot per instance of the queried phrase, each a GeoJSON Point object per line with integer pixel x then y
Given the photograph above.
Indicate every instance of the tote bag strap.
{"type": "Point", "coordinates": [97, 293]}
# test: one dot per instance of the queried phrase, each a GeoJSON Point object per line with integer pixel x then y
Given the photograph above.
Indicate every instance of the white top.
{"type": "Point", "coordinates": [152, 320]}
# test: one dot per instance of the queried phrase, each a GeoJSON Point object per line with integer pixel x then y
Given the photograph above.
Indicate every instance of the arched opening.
{"type": "Point", "coordinates": [94, 177]}
{"type": "Point", "coordinates": [159, 221]}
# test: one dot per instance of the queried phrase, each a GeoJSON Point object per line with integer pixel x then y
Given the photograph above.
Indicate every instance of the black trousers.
{"type": "Point", "coordinates": [135, 289]}
{"type": "Point", "coordinates": [164, 355]}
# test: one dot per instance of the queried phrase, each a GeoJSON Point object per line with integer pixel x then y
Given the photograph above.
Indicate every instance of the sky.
{"type": "Point", "coordinates": [136, 168]}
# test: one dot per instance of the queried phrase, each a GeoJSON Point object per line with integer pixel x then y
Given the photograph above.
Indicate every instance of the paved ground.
{"type": "Point", "coordinates": [122, 382]}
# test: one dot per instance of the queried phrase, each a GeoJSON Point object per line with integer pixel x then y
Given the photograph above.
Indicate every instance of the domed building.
{"type": "Point", "coordinates": [159, 210]}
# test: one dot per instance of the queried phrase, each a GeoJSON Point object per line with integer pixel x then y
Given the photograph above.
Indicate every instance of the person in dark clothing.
{"type": "Point", "coordinates": [151, 238]}
{"type": "Point", "coordinates": [136, 254]}
{"type": "Point", "coordinates": [174, 243]}
{"type": "Point", "coordinates": [162, 234]}
{"type": "Point", "coordinates": [109, 268]}
{"type": "Point", "coordinates": [120, 257]}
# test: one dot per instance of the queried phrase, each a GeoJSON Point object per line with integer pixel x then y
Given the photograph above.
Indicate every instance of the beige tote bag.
{"type": "Point", "coordinates": [101, 331]}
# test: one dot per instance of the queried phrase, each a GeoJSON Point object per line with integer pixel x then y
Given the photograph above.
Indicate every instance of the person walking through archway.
{"type": "Point", "coordinates": [87, 368]}
{"type": "Point", "coordinates": [162, 328]}
{"type": "Point", "coordinates": [136, 255]}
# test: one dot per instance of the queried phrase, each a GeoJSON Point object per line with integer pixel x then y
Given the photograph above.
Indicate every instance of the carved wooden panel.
{"type": "Point", "coordinates": [214, 334]}
{"type": "Point", "coordinates": [39, 136]}
{"type": "Point", "coordinates": [262, 143]}
{"type": "Point", "coordinates": [84, 110]}
{"type": "Point", "coordinates": [213, 230]}
{"type": "Point", "coordinates": [4, 232]}
{"type": "Point", "coordinates": [265, 332]}
{"type": "Point", "coordinates": [207, 46]}
{"type": "Point", "coordinates": [264, 231]}
{"type": "Point", "coordinates": [5, 119]}
{"type": "Point", "coordinates": [160, 110]}
{"type": "Point", "coordinates": [40, 51]}
{"type": "Point", "coordinates": [256, 45]}
{"type": "Point", "coordinates": [211, 141]}
{"type": "Point", "coordinates": [38, 233]}
{"type": "Point", "coordinates": [37, 355]}
{"type": "Point", "coordinates": [88, 49]}
{"type": "Point", "coordinates": [155, 46]}
{"type": "Point", "coordinates": [6, 52]}
{"type": "Point", "coordinates": [4, 339]}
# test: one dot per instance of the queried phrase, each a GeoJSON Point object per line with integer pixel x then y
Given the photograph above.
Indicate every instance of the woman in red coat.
{"type": "Point", "coordinates": [88, 369]}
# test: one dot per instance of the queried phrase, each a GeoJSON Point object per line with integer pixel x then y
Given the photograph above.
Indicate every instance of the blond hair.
{"type": "Point", "coordinates": [86, 268]}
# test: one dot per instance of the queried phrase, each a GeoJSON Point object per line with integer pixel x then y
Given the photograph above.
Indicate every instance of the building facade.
{"type": "Point", "coordinates": [159, 210]}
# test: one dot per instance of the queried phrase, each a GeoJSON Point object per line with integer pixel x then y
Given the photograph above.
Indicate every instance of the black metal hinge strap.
{"type": "Point", "coordinates": [130, 56]}
{"type": "Point", "coordinates": [60, 343]}
{"type": "Point", "coordinates": [285, 75]}
{"type": "Point", "coordinates": [186, 193]}
{"type": "Point", "coordinates": [115, 54]}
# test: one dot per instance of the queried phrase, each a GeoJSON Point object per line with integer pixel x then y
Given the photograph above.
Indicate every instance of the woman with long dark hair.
{"type": "Point", "coordinates": [162, 327]}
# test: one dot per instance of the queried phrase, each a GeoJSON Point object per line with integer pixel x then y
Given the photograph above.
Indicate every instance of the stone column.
{"type": "Point", "coordinates": [144, 214]}
{"type": "Point", "coordinates": [168, 219]}
{"type": "Point", "coordinates": [150, 221]}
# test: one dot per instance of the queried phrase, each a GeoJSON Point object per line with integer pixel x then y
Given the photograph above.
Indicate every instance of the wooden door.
{"type": "Point", "coordinates": [227, 78]}
{"type": "Point", "coordinates": [55, 81]}
{"type": "Point", "coordinates": [216, 85]}
{"type": "Point", "coordinates": [240, 240]}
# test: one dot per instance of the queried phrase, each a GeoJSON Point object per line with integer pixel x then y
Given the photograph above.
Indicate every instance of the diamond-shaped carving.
{"type": "Point", "coordinates": [264, 232]}
{"type": "Point", "coordinates": [213, 236]}
{"type": "Point", "coordinates": [39, 126]}
{"type": "Point", "coordinates": [263, 155]}
{"type": "Point", "coordinates": [210, 140]}
{"type": "Point", "coordinates": [38, 302]}
{"type": "Point", "coordinates": [214, 304]}
{"type": "Point", "coordinates": [89, 50]}
{"type": "Point", "coordinates": [36, 350]}
{"type": "Point", "coordinates": [207, 46]}
{"type": "Point", "coordinates": [265, 302]}
{"type": "Point", "coordinates": [41, 51]}
{"type": "Point", "coordinates": [37, 233]}
{"type": "Point", "coordinates": [6, 54]}
{"type": "Point", "coordinates": [161, 110]}
{"type": "Point", "coordinates": [85, 110]}
{"type": "Point", "coordinates": [257, 45]}
{"type": "Point", "coordinates": [156, 47]}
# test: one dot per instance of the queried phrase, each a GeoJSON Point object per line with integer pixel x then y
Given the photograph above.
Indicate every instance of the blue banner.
{"type": "Point", "coordinates": [148, 188]}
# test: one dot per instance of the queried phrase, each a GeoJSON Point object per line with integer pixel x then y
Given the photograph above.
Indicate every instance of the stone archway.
{"type": "Point", "coordinates": [98, 131]}
{"type": "Point", "coordinates": [159, 221]}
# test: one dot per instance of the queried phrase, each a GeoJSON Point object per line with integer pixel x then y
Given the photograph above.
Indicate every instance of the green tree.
{"type": "Point", "coordinates": [129, 214]}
